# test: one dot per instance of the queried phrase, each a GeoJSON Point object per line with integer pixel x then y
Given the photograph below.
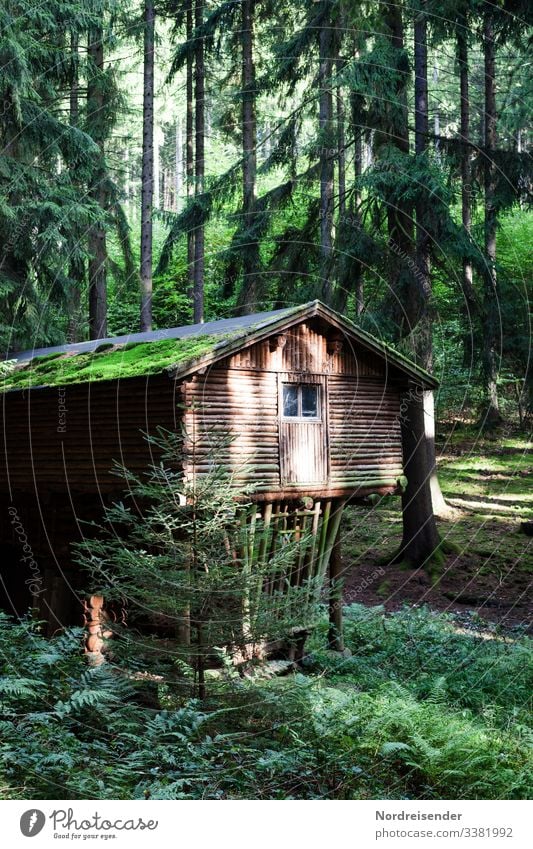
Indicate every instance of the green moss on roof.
{"type": "Point", "coordinates": [131, 360]}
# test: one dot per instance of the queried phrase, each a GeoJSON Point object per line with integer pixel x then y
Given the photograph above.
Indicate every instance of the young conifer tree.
{"type": "Point", "coordinates": [196, 567]}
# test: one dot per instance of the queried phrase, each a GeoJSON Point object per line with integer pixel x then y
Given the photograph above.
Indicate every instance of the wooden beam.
{"type": "Point", "coordinates": [336, 583]}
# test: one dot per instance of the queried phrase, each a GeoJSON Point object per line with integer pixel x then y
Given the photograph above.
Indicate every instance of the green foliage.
{"type": "Point", "coordinates": [424, 651]}
{"type": "Point", "coordinates": [416, 712]}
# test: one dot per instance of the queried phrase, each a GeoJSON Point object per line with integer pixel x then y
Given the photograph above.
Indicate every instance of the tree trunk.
{"type": "Point", "coordinates": [76, 269]}
{"type": "Point", "coordinates": [436, 117]}
{"type": "Point", "coordinates": [491, 314]}
{"type": "Point", "coordinates": [341, 149]}
{"type": "Point", "coordinates": [249, 299]}
{"type": "Point", "coordinates": [157, 182]}
{"type": "Point", "coordinates": [400, 214]}
{"type": "Point", "coordinates": [326, 140]}
{"type": "Point", "coordinates": [356, 199]}
{"type": "Point", "coordinates": [147, 187]}
{"type": "Point", "coordinates": [470, 304]}
{"type": "Point", "coordinates": [178, 164]}
{"type": "Point", "coordinates": [189, 146]}
{"type": "Point", "coordinates": [424, 340]}
{"type": "Point", "coordinates": [420, 537]}
{"type": "Point", "coordinates": [199, 93]}
{"type": "Point", "coordinates": [97, 235]}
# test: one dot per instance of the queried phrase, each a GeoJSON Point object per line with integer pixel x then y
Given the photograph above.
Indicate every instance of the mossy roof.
{"type": "Point", "coordinates": [177, 350]}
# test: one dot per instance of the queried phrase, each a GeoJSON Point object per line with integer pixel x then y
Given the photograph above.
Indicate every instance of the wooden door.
{"type": "Point", "coordinates": [303, 429]}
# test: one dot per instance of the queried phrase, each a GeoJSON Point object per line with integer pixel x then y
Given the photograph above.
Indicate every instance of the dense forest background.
{"type": "Point", "coordinates": [165, 162]}
{"type": "Point", "coordinates": [179, 161]}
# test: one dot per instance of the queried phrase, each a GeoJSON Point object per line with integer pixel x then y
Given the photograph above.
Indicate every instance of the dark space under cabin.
{"type": "Point", "coordinates": [311, 402]}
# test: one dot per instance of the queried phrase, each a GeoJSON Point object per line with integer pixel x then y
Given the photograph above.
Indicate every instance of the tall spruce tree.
{"type": "Point", "coordinates": [199, 159]}
{"type": "Point", "coordinates": [491, 317]}
{"type": "Point", "coordinates": [469, 295]}
{"type": "Point", "coordinates": [147, 174]}
{"type": "Point", "coordinates": [98, 130]}
{"type": "Point", "coordinates": [45, 158]}
{"type": "Point", "coordinates": [249, 298]}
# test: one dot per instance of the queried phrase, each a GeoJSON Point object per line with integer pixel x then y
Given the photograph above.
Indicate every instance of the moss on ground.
{"type": "Point", "coordinates": [116, 363]}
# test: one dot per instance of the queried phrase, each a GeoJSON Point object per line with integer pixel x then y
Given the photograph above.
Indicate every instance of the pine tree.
{"type": "Point", "coordinates": [491, 353]}
{"type": "Point", "coordinates": [199, 160]}
{"type": "Point", "coordinates": [96, 126]}
{"type": "Point", "coordinates": [147, 178]}
{"type": "Point", "coordinates": [76, 265]}
{"type": "Point", "coordinates": [470, 300]}
{"type": "Point", "coordinates": [180, 557]}
{"type": "Point", "coordinates": [249, 298]}
{"type": "Point", "coordinates": [325, 140]}
{"type": "Point", "coordinates": [45, 160]}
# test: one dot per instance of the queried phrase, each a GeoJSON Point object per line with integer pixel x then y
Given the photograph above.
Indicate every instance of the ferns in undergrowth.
{"type": "Point", "coordinates": [390, 729]}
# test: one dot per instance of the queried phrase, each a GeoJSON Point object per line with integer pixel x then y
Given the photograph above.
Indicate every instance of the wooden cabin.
{"type": "Point", "coordinates": [312, 404]}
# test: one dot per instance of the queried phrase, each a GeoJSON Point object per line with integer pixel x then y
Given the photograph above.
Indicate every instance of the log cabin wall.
{"type": "Point", "coordinates": [241, 396]}
{"type": "Point", "coordinates": [67, 439]}
{"type": "Point", "coordinates": [58, 450]}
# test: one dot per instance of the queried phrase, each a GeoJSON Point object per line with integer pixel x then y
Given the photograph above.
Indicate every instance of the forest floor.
{"type": "Point", "coordinates": [489, 484]}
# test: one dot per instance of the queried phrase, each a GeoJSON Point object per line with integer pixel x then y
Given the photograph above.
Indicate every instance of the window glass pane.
{"type": "Point", "coordinates": [290, 400]}
{"type": "Point", "coordinates": [310, 401]}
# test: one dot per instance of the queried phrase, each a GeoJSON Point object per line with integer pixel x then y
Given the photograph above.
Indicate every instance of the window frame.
{"type": "Point", "coordinates": [299, 418]}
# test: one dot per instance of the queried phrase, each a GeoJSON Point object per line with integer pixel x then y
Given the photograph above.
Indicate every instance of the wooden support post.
{"type": "Point", "coordinates": [95, 619]}
{"type": "Point", "coordinates": [336, 582]}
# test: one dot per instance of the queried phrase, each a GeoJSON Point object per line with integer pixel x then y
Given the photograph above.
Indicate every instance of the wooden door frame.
{"type": "Point", "coordinates": [314, 378]}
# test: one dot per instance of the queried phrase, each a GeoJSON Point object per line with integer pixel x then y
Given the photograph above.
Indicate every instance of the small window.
{"type": "Point", "coordinates": [301, 401]}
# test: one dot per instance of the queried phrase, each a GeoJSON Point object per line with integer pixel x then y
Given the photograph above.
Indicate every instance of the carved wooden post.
{"type": "Point", "coordinates": [95, 618]}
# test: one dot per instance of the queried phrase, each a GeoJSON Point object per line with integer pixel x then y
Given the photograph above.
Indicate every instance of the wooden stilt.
{"type": "Point", "coordinates": [335, 634]}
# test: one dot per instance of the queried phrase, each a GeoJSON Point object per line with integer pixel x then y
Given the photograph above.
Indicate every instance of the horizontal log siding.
{"type": "Point", "coordinates": [364, 432]}
{"type": "Point", "coordinates": [103, 424]}
{"type": "Point", "coordinates": [241, 404]}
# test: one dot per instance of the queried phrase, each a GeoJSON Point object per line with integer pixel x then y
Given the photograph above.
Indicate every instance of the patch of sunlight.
{"type": "Point", "coordinates": [483, 635]}
{"type": "Point", "coordinates": [512, 509]}
{"type": "Point", "coordinates": [512, 496]}
{"type": "Point", "coordinates": [485, 464]}
{"type": "Point", "coordinates": [518, 444]}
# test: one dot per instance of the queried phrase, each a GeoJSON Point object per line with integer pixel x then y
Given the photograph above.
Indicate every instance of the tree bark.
{"type": "Point", "coordinates": [97, 191]}
{"type": "Point", "coordinates": [356, 199]}
{"type": "Point", "coordinates": [423, 256]}
{"type": "Point", "coordinates": [147, 187]}
{"type": "Point", "coordinates": [341, 141]}
{"type": "Point", "coordinates": [325, 117]}
{"type": "Point", "coordinates": [400, 214]}
{"type": "Point", "coordinates": [189, 144]}
{"type": "Point", "coordinates": [199, 93]}
{"type": "Point", "coordinates": [491, 313]}
{"type": "Point", "coordinates": [76, 269]}
{"type": "Point", "coordinates": [436, 117]}
{"type": "Point", "coordinates": [249, 299]}
{"type": "Point", "coordinates": [470, 303]}
{"type": "Point", "coordinates": [420, 537]}
{"type": "Point", "coordinates": [178, 164]}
